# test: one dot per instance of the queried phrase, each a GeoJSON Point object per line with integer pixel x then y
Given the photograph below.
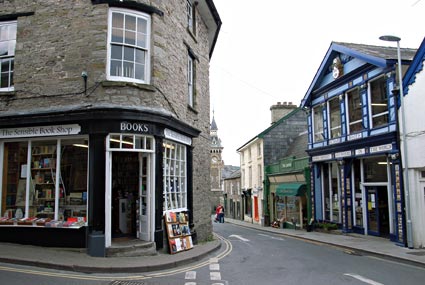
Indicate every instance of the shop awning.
{"type": "Point", "coordinates": [290, 189]}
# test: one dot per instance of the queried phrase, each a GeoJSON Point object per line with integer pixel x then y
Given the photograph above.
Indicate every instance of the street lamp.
{"type": "Point", "coordinates": [403, 135]}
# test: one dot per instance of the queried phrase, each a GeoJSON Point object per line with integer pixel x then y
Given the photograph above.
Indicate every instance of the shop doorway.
{"type": "Point", "coordinates": [130, 191]}
{"type": "Point", "coordinates": [377, 210]}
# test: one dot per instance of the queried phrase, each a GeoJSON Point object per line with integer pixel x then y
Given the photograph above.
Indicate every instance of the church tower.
{"type": "Point", "coordinates": [217, 163]}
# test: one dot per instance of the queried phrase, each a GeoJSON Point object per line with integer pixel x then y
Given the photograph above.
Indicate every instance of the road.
{"type": "Point", "coordinates": [247, 257]}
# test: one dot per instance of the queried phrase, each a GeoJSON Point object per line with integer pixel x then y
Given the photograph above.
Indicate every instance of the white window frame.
{"type": "Point", "coordinates": [332, 127]}
{"type": "Point", "coordinates": [174, 170]}
{"type": "Point", "coordinates": [347, 108]}
{"type": "Point", "coordinates": [145, 48]}
{"type": "Point", "coordinates": [317, 128]}
{"type": "Point", "coordinates": [7, 41]}
{"type": "Point", "coordinates": [190, 14]}
{"type": "Point", "coordinates": [371, 114]}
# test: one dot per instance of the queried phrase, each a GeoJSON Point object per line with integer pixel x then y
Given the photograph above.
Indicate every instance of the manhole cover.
{"type": "Point", "coordinates": [419, 253]}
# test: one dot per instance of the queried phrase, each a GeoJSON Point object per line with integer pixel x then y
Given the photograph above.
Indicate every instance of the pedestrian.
{"type": "Point", "coordinates": [217, 213]}
{"type": "Point", "coordinates": [220, 213]}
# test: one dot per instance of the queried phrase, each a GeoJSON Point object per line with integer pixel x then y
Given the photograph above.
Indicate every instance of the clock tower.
{"type": "Point", "coordinates": [217, 163]}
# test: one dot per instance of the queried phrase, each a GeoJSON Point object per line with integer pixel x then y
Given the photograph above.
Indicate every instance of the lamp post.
{"type": "Point", "coordinates": [403, 136]}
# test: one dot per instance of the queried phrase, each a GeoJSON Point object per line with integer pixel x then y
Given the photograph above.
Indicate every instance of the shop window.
{"type": "Point", "coordinates": [14, 180]}
{"type": "Point", "coordinates": [334, 118]}
{"type": "Point", "coordinates": [175, 176]}
{"type": "Point", "coordinates": [358, 198]}
{"type": "Point", "coordinates": [378, 102]}
{"type": "Point", "coordinates": [354, 110]}
{"type": "Point", "coordinates": [318, 124]}
{"type": "Point", "coordinates": [44, 186]}
{"type": "Point", "coordinates": [288, 208]}
{"type": "Point", "coordinates": [375, 169]}
{"type": "Point", "coordinates": [7, 54]}
{"type": "Point", "coordinates": [331, 192]}
{"type": "Point", "coordinates": [128, 46]}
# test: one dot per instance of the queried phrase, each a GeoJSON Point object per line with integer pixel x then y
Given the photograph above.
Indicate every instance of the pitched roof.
{"type": "Point", "coordinates": [213, 125]}
{"type": "Point", "coordinates": [379, 56]}
{"type": "Point", "coordinates": [260, 135]}
{"type": "Point", "coordinates": [229, 171]}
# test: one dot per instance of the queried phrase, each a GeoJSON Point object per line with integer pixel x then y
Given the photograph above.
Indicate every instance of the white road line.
{"type": "Point", "coordinates": [215, 267]}
{"type": "Point", "coordinates": [239, 237]}
{"type": "Point", "coordinates": [214, 260]}
{"type": "Point", "coordinates": [363, 279]}
{"type": "Point", "coordinates": [215, 276]}
{"type": "Point", "coordinates": [190, 275]}
{"type": "Point", "coordinates": [190, 283]}
{"type": "Point", "coordinates": [272, 237]}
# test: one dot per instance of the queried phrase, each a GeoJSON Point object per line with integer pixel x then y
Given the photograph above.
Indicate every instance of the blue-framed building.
{"type": "Point", "coordinates": [356, 178]}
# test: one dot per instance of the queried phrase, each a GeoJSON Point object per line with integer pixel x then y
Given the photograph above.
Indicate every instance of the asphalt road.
{"type": "Point", "coordinates": [247, 257]}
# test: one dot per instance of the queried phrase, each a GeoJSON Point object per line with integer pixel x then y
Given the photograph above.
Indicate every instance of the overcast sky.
{"type": "Point", "coordinates": [269, 51]}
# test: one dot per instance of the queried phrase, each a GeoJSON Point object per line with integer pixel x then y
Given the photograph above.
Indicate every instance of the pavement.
{"type": "Point", "coordinates": [79, 261]}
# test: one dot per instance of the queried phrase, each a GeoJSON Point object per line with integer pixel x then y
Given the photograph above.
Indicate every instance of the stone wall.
{"type": "Point", "coordinates": [63, 38]}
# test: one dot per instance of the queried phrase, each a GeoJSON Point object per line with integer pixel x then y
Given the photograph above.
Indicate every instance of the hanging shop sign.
{"type": "Point", "coordinates": [172, 135]}
{"type": "Point", "coordinates": [40, 131]}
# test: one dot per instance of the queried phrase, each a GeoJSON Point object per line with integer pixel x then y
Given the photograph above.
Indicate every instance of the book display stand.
{"type": "Point", "coordinates": [178, 231]}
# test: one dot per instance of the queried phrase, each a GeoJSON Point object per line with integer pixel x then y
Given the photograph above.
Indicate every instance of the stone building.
{"type": "Point", "coordinates": [104, 119]}
{"type": "Point", "coordinates": [267, 148]}
{"type": "Point", "coordinates": [232, 194]}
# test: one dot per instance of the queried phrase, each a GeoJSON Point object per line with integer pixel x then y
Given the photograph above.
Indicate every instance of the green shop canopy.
{"type": "Point", "coordinates": [290, 189]}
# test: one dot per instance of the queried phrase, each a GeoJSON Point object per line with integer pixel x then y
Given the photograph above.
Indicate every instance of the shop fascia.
{"type": "Point", "coordinates": [40, 131]}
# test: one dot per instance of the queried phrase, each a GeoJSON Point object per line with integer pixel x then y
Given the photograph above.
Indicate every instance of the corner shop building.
{"type": "Point", "coordinates": [116, 169]}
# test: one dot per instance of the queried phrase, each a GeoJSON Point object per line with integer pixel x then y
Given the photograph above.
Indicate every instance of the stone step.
{"type": "Point", "coordinates": [131, 248]}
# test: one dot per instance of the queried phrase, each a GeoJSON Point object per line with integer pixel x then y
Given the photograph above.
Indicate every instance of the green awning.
{"type": "Point", "coordinates": [290, 189]}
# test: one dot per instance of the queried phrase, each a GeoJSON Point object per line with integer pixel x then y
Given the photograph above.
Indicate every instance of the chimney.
{"type": "Point", "coordinates": [280, 110]}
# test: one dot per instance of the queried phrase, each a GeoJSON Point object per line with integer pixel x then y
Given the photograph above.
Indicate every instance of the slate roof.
{"type": "Point", "coordinates": [264, 132]}
{"type": "Point", "coordinates": [380, 56]}
{"type": "Point", "coordinates": [229, 171]}
{"type": "Point", "coordinates": [213, 125]}
{"type": "Point", "coordinates": [387, 52]}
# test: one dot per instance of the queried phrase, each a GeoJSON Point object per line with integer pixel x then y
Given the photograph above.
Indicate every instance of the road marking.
{"type": "Point", "coordinates": [239, 237]}
{"type": "Point", "coordinates": [215, 267]}
{"type": "Point", "coordinates": [82, 276]}
{"type": "Point", "coordinates": [190, 283]}
{"type": "Point", "coordinates": [272, 237]}
{"type": "Point", "coordinates": [363, 279]}
{"type": "Point", "coordinates": [190, 275]}
{"type": "Point", "coordinates": [215, 276]}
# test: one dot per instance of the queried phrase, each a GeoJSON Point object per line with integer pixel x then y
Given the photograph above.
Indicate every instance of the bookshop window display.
{"type": "Point", "coordinates": [174, 163]}
{"type": "Point", "coordinates": [42, 186]}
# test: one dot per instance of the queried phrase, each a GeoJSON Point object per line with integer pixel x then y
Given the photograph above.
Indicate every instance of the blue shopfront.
{"type": "Point", "coordinates": [353, 145]}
